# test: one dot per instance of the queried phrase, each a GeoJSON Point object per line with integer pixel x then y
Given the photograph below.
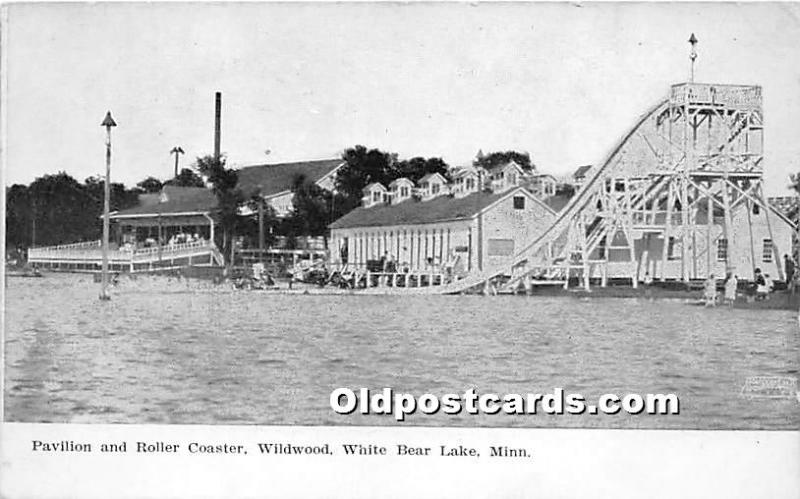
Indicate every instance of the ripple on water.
{"type": "Point", "coordinates": [162, 352]}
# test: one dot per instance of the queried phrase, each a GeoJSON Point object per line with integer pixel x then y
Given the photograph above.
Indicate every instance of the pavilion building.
{"type": "Point", "coordinates": [470, 232]}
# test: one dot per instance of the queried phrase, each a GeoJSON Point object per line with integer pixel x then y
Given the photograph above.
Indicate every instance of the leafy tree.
{"type": "Point", "coordinates": [362, 167]}
{"type": "Point", "coordinates": [248, 226]}
{"type": "Point", "coordinates": [416, 168]}
{"type": "Point", "coordinates": [150, 185]}
{"type": "Point", "coordinates": [63, 210]}
{"type": "Point", "coordinates": [186, 178]}
{"type": "Point", "coordinates": [57, 209]}
{"type": "Point", "coordinates": [120, 198]}
{"type": "Point", "coordinates": [19, 216]}
{"type": "Point", "coordinates": [313, 209]}
{"type": "Point", "coordinates": [229, 196]}
{"type": "Point", "coordinates": [794, 180]}
{"type": "Point", "coordinates": [498, 158]}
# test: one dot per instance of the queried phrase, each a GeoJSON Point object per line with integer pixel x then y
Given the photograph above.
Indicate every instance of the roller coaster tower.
{"type": "Point", "coordinates": [674, 198]}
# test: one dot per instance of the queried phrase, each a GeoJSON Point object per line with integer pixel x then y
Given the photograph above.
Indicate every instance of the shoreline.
{"type": "Point", "coordinates": [779, 300]}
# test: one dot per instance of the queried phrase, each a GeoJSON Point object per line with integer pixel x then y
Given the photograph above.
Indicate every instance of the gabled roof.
{"type": "Point", "coordinates": [464, 172]}
{"type": "Point", "coordinates": [374, 185]}
{"type": "Point", "coordinates": [432, 176]}
{"type": "Point", "coordinates": [177, 200]}
{"type": "Point", "coordinates": [272, 179]}
{"type": "Point", "coordinates": [414, 212]}
{"type": "Point", "coordinates": [401, 180]}
{"type": "Point", "coordinates": [504, 166]}
{"type": "Point", "coordinates": [581, 171]}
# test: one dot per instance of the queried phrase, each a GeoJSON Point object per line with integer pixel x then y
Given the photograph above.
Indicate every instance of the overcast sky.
{"type": "Point", "coordinates": [305, 81]}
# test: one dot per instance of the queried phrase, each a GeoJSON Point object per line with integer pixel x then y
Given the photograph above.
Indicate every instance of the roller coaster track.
{"type": "Point", "coordinates": [660, 162]}
{"type": "Point", "coordinates": [576, 205]}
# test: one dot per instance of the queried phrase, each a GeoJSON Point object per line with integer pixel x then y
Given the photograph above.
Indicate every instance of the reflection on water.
{"type": "Point", "coordinates": [193, 356]}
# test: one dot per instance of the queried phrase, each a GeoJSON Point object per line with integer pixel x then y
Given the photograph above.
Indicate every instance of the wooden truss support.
{"type": "Point", "coordinates": [776, 254]}
{"type": "Point", "coordinates": [709, 228]}
{"type": "Point", "coordinates": [667, 231]}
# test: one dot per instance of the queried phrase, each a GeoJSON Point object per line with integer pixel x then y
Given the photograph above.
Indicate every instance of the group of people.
{"type": "Point", "coordinates": [759, 289]}
{"type": "Point", "coordinates": [730, 286]}
{"type": "Point", "coordinates": [180, 238]}
{"type": "Point", "coordinates": [183, 238]}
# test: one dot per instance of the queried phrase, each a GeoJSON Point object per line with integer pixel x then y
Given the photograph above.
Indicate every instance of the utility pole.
{"type": "Point", "coordinates": [108, 122]}
{"type": "Point", "coordinates": [692, 57]}
{"type": "Point", "coordinates": [177, 151]}
{"type": "Point", "coordinates": [217, 124]}
{"type": "Point", "coordinates": [33, 224]}
{"type": "Point", "coordinates": [260, 225]}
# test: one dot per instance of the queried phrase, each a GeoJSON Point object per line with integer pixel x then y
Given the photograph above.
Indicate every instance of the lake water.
{"type": "Point", "coordinates": [176, 352]}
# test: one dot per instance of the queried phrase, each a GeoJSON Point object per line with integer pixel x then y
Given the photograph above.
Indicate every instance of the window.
{"type": "Point", "coordinates": [376, 196]}
{"type": "Point", "coordinates": [519, 202]}
{"type": "Point", "coordinates": [470, 183]}
{"type": "Point", "coordinates": [722, 250]}
{"type": "Point", "coordinates": [435, 188]}
{"type": "Point", "coordinates": [766, 256]}
{"type": "Point", "coordinates": [674, 249]}
{"type": "Point", "coordinates": [403, 191]}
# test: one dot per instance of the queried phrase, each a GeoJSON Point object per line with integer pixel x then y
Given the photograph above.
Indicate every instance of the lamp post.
{"type": "Point", "coordinates": [177, 151]}
{"type": "Point", "coordinates": [108, 122]}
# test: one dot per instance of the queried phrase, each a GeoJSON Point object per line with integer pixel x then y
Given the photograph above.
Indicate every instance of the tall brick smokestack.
{"type": "Point", "coordinates": [217, 124]}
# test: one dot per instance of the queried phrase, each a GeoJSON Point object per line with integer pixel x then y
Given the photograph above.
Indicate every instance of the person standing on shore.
{"type": "Point", "coordinates": [761, 285]}
{"type": "Point", "coordinates": [710, 293]}
{"type": "Point", "coordinates": [731, 283]}
{"type": "Point", "coordinates": [789, 267]}
{"type": "Point", "coordinates": [648, 285]}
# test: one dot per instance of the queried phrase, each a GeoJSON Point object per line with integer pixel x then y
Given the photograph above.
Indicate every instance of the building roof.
{"type": "Point", "coordinates": [401, 180]}
{"type": "Point", "coordinates": [269, 180]}
{"type": "Point", "coordinates": [557, 202]}
{"type": "Point", "coordinates": [176, 200]}
{"type": "Point", "coordinates": [581, 171]}
{"type": "Point", "coordinates": [504, 167]}
{"type": "Point", "coordinates": [374, 185]}
{"type": "Point", "coordinates": [464, 173]}
{"type": "Point", "coordinates": [414, 212]}
{"type": "Point", "coordinates": [433, 176]}
{"type": "Point", "coordinates": [149, 198]}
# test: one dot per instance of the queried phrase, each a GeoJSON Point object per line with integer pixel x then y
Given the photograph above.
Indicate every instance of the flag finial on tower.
{"type": "Point", "coordinates": [692, 56]}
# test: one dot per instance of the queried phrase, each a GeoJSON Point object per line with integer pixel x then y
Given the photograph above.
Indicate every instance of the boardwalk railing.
{"type": "Point", "coordinates": [80, 245]}
{"type": "Point", "coordinates": [88, 256]}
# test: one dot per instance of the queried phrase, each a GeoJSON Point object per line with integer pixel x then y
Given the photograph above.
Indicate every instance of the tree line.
{"type": "Point", "coordinates": [58, 209]}
{"type": "Point", "coordinates": [315, 208]}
